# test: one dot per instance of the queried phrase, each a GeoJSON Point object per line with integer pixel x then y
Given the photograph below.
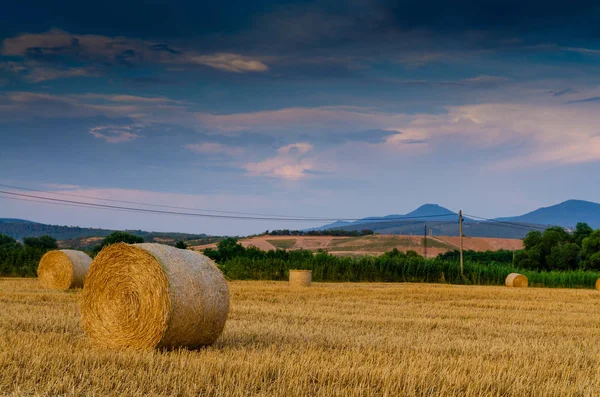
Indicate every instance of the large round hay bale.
{"type": "Point", "coordinates": [516, 280]}
{"type": "Point", "coordinates": [153, 295]}
{"type": "Point", "coordinates": [63, 269]}
{"type": "Point", "coordinates": [300, 278]}
{"type": "Point", "coordinates": [598, 284]}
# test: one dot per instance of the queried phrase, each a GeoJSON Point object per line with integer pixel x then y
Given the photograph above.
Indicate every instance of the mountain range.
{"type": "Point", "coordinates": [442, 221]}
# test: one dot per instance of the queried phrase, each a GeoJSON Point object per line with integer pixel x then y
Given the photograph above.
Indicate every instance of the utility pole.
{"type": "Point", "coordinates": [425, 243]}
{"type": "Point", "coordinates": [460, 223]}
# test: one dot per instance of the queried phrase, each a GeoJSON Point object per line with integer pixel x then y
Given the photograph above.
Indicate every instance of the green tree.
{"type": "Point", "coordinates": [181, 245]}
{"type": "Point", "coordinates": [45, 242]}
{"type": "Point", "coordinates": [117, 237]}
{"type": "Point", "coordinates": [564, 257]}
{"type": "Point", "coordinates": [582, 231]}
{"type": "Point", "coordinates": [590, 251]}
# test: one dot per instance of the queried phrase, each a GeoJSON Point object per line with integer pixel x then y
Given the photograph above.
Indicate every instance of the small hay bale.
{"type": "Point", "coordinates": [598, 284]}
{"type": "Point", "coordinates": [300, 278]}
{"type": "Point", "coordinates": [516, 280]}
{"type": "Point", "coordinates": [63, 269]}
{"type": "Point", "coordinates": [152, 295]}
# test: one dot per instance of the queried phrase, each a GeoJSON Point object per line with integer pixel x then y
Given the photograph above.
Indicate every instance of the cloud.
{"type": "Point", "coordinates": [116, 134]}
{"type": "Point", "coordinates": [57, 47]}
{"type": "Point", "coordinates": [333, 119]}
{"type": "Point", "coordinates": [39, 74]}
{"type": "Point", "coordinates": [230, 62]}
{"type": "Point", "coordinates": [20, 105]}
{"type": "Point", "coordinates": [290, 163]}
{"type": "Point", "coordinates": [214, 148]}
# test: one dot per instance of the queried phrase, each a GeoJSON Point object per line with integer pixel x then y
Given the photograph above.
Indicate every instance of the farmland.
{"type": "Point", "coordinates": [331, 339]}
{"type": "Point", "coordinates": [374, 245]}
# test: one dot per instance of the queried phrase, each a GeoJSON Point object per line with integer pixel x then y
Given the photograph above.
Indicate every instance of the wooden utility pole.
{"type": "Point", "coordinates": [460, 223]}
{"type": "Point", "coordinates": [425, 243]}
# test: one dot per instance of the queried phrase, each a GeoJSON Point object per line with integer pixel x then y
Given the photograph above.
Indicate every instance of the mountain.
{"type": "Point", "coordinates": [13, 220]}
{"type": "Point", "coordinates": [82, 237]}
{"type": "Point", "coordinates": [565, 214]}
{"type": "Point", "coordinates": [442, 222]}
{"type": "Point", "coordinates": [430, 212]}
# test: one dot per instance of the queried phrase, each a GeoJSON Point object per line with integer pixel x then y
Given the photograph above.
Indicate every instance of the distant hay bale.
{"type": "Point", "coordinates": [598, 284]}
{"type": "Point", "coordinates": [63, 269]}
{"type": "Point", "coordinates": [516, 280]}
{"type": "Point", "coordinates": [300, 278]}
{"type": "Point", "coordinates": [153, 295]}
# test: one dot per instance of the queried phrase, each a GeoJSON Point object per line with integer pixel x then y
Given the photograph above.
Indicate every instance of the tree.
{"type": "Point", "coordinates": [539, 247]}
{"type": "Point", "coordinates": [590, 251]}
{"type": "Point", "coordinates": [181, 245]}
{"type": "Point", "coordinates": [582, 231]}
{"type": "Point", "coordinates": [45, 242]}
{"type": "Point", "coordinates": [564, 257]}
{"type": "Point", "coordinates": [118, 237]}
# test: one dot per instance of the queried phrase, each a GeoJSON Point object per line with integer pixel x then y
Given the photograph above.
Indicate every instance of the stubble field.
{"type": "Point", "coordinates": [327, 340]}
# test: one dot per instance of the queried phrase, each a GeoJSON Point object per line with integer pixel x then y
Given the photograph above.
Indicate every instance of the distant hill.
{"type": "Point", "coordinates": [13, 220]}
{"type": "Point", "coordinates": [82, 237]}
{"type": "Point", "coordinates": [443, 222]}
{"type": "Point", "coordinates": [565, 214]}
{"type": "Point", "coordinates": [432, 212]}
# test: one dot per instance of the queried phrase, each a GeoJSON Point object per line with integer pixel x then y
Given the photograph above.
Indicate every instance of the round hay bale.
{"type": "Point", "coordinates": [598, 284]}
{"type": "Point", "coordinates": [516, 280]}
{"type": "Point", "coordinates": [153, 295]}
{"type": "Point", "coordinates": [300, 278]}
{"type": "Point", "coordinates": [63, 269]}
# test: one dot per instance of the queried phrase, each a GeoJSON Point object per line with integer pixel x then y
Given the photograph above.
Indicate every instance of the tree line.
{"type": "Point", "coordinates": [238, 262]}
{"type": "Point", "coordinates": [21, 260]}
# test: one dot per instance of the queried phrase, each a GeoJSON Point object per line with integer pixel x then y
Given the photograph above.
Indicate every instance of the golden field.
{"type": "Point", "coordinates": [327, 340]}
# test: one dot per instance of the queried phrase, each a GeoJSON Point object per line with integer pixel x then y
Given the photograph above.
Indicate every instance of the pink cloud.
{"type": "Point", "coordinates": [118, 134]}
{"type": "Point", "coordinates": [290, 163]}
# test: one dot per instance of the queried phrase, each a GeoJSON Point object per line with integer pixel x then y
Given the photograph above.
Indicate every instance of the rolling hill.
{"type": "Point", "coordinates": [443, 222]}
{"type": "Point", "coordinates": [83, 237]}
{"type": "Point", "coordinates": [565, 214]}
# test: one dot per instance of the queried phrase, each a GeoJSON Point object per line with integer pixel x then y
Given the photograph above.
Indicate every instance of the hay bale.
{"type": "Point", "coordinates": [153, 295]}
{"type": "Point", "coordinates": [300, 278]}
{"type": "Point", "coordinates": [598, 284]}
{"type": "Point", "coordinates": [63, 269]}
{"type": "Point", "coordinates": [516, 280]}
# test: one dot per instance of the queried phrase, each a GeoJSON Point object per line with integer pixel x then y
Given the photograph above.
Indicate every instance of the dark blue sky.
{"type": "Point", "coordinates": [308, 108]}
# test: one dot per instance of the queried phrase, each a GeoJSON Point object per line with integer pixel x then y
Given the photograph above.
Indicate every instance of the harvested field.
{"type": "Point", "coordinates": [374, 245]}
{"type": "Point", "coordinates": [327, 340]}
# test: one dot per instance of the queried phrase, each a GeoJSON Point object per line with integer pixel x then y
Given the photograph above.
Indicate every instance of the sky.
{"type": "Point", "coordinates": [297, 108]}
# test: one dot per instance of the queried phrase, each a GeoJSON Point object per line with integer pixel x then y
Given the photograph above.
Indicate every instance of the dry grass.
{"type": "Point", "coordinates": [328, 340]}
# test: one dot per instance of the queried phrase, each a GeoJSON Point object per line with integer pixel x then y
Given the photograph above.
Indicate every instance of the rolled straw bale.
{"type": "Point", "coordinates": [516, 280]}
{"type": "Point", "coordinates": [598, 284]}
{"type": "Point", "coordinates": [153, 295]}
{"type": "Point", "coordinates": [63, 269]}
{"type": "Point", "coordinates": [300, 278]}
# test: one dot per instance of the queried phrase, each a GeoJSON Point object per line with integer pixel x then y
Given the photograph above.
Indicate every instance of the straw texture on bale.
{"type": "Point", "coordinates": [63, 269]}
{"type": "Point", "coordinates": [300, 278]}
{"type": "Point", "coordinates": [516, 280]}
{"type": "Point", "coordinates": [153, 295]}
{"type": "Point", "coordinates": [598, 284]}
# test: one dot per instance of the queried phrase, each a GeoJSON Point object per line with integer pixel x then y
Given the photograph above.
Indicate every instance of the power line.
{"type": "Point", "coordinates": [152, 211]}
{"type": "Point", "coordinates": [148, 204]}
{"type": "Point", "coordinates": [514, 224]}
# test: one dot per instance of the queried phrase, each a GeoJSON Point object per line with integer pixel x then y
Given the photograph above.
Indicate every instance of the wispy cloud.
{"type": "Point", "coordinates": [291, 163]}
{"type": "Point", "coordinates": [57, 47]}
{"type": "Point", "coordinates": [116, 134]}
{"type": "Point", "coordinates": [214, 148]}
